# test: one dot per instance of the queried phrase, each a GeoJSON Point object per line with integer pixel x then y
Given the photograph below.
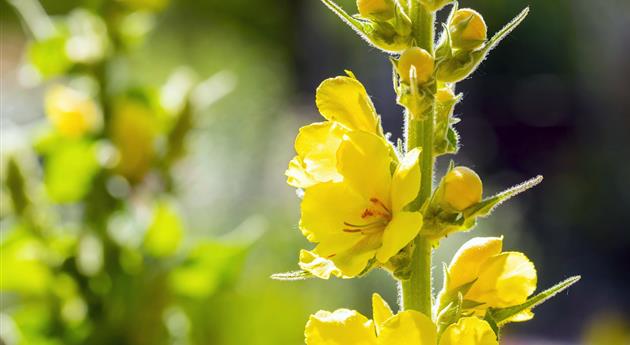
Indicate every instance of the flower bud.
{"type": "Point", "coordinates": [467, 29]}
{"type": "Point", "coordinates": [376, 9]}
{"type": "Point", "coordinates": [418, 58]}
{"type": "Point", "coordinates": [462, 188]}
{"type": "Point", "coordinates": [71, 112]}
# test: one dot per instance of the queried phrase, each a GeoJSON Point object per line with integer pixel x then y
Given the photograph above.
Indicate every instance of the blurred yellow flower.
{"type": "Point", "coordinates": [410, 327]}
{"type": "Point", "coordinates": [344, 102]}
{"type": "Point", "coordinates": [134, 133]}
{"type": "Point", "coordinates": [491, 277]}
{"type": "Point", "coordinates": [360, 217]}
{"type": "Point", "coordinates": [72, 113]}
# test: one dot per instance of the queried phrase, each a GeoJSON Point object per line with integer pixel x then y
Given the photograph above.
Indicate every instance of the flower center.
{"type": "Point", "coordinates": [377, 215]}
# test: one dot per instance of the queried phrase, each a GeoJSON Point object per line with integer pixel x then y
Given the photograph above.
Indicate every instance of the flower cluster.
{"type": "Point", "coordinates": [369, 203]}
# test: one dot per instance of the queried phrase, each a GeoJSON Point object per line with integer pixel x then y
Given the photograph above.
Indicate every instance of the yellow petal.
{"type": "Point", "coordinates": [326, 207]}
{"type": "Point", "coordinates": [354, 260]}
{"type": "Point", "coordinates": [464, 267]}
{"type": "Point", "coordinates": [469, 331]}
{"type": "Point", "coordinates": [408, 328]}
{"type": "Point", "coordinates": [364, 162]}
{"type": "Point", "coordinates": [342, 327]}
{"type": "Point", "coordinates": [297, 175]}
{"type": "Point", "coordinates": [316, 146]}
{"type": "Point", "coordinates": [381, 312]}
{"type": "Point", "coordinates": [401, 230]}
{"type": "Point", "coordinates": [406, 180]}
{"type": "Point", "coordinates": [504, 280]}
{"type": "Point", "coordinates": [345, 100]}
{"type": "Point", "coordinates": [319, 266]}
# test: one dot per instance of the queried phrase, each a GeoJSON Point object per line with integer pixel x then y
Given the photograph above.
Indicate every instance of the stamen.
{"type": "Point", "coordinates": [381, 204]}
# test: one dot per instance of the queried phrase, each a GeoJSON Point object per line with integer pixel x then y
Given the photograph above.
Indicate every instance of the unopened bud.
{"type": "Point", "coordinates": [418, 58]}
{"type": "Point", "coordinates": [376, 9]}
{"type": "Point", "coordinates": [462, 188]}
{"type": "Point", "coordinates": [468, 29]}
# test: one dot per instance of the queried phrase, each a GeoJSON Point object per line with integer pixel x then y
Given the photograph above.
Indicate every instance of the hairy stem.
{"type": "Point", "coordinates": [416, 292]}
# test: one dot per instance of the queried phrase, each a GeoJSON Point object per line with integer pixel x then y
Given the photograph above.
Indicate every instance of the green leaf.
{"type": "Point", "coordinates": [292, 276]}
{"type": "Point", "coordinates": [502, 315]}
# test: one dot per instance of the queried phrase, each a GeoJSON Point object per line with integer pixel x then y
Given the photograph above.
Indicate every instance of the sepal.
{"type": "Point", "coordinates": [391, 35]}
{"type": "Point", "coordinates": [446, 139]}
{"type": "Point", "coordinates": [505, 315]}
{"type": "Point", "coordinates": [292, 275]}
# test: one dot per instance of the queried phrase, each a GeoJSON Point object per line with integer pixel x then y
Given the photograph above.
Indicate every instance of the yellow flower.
{"type": "Point", "coordinates": [360, 217]}
{"type": "Point", "coordinates": [345, 327]}
{"type": "Point", "coordinates": [469, 331]}
{"type": "Point", "coordinates": [497, 279]}
{"type": "Point", "coordinates": [468, 29]}
{"type": "Point", "coordinates": [344, 102]}
{"type": "Point", "coordinates": [72, 112]}
{"type": "Point", "coordinates": [421, 60]}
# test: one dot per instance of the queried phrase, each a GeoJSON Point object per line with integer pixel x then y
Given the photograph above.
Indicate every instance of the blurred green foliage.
{"type": "Point", "coordinates": [93, 247]}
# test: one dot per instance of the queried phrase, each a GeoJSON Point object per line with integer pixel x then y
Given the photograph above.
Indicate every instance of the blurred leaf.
{"type": "Point", "coordinates": [17, 189]}
{"type": "Point", "coordinates": [165, 232]}
{"type": "Point", "coordinates": [134, 131]}
{"type": "Point", "coordinates": [22, 264]}
{"type": "Point", "coordinates": [49, 57]}
{"type": "Point", "coordinates": [90, 255]}
{"type": "Point", "coordinates": [209, 266]}
{"type": "Point", "coordinates": [69, 171]}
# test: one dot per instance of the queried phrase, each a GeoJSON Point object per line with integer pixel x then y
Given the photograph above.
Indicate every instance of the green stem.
{"type": "Point", "coordinates": [416, 292]}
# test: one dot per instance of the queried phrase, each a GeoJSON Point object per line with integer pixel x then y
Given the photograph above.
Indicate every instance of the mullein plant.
{"type": "Point", "coordinates": [369, 203]}
{"type": "Point", "coordinates": [93, 248]}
